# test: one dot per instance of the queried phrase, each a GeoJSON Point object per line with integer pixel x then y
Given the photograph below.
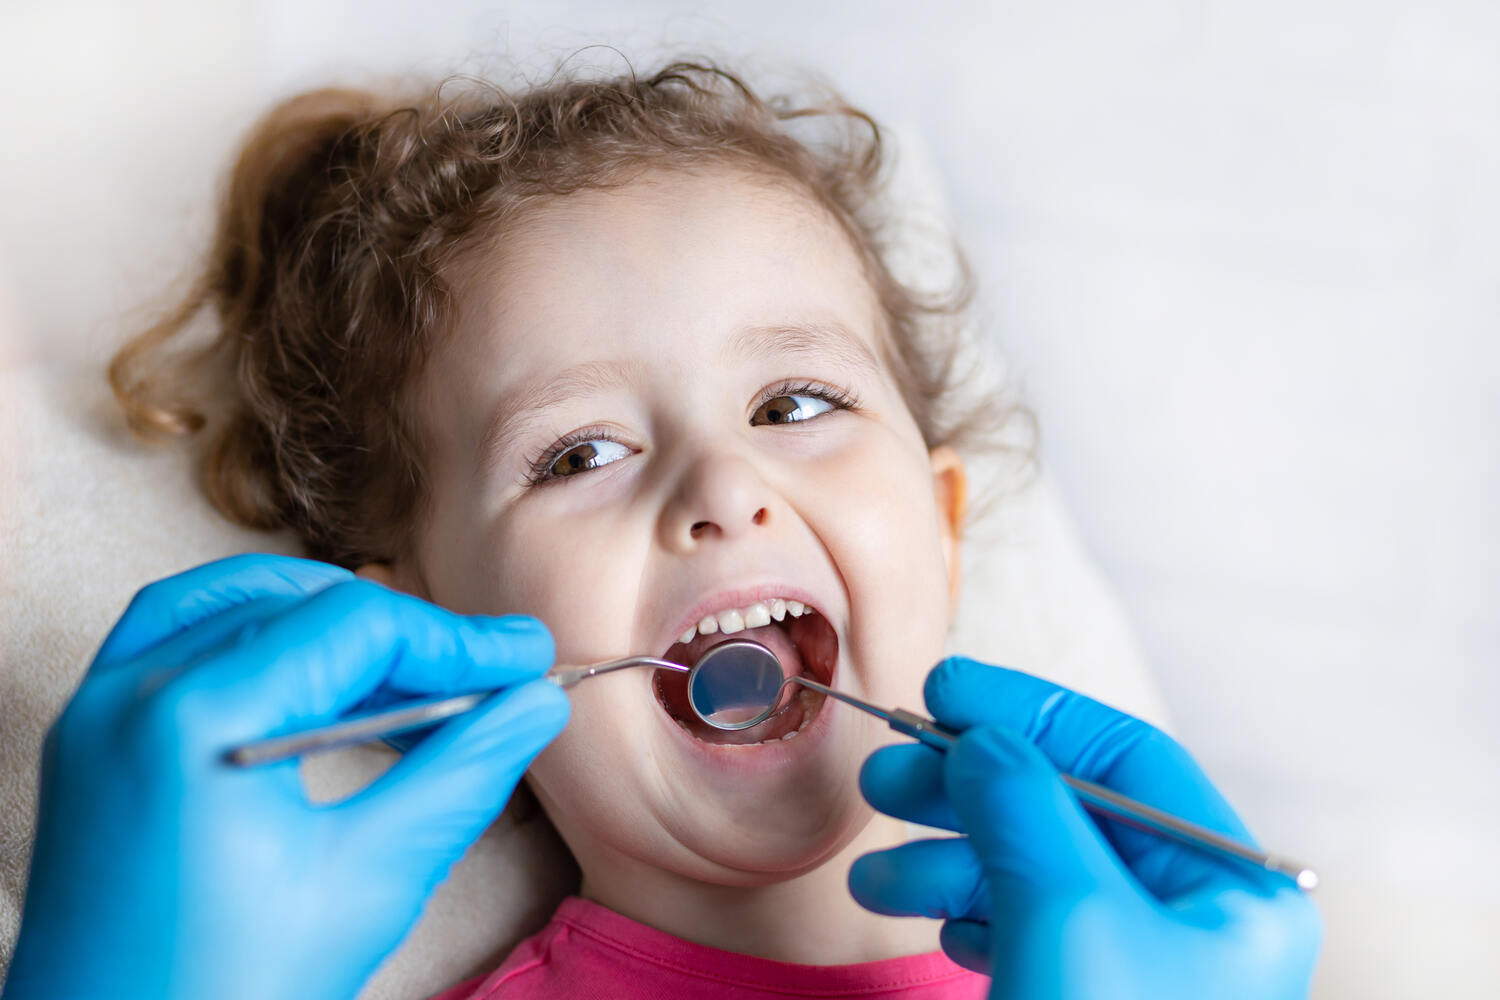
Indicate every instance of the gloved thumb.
{"type": "Point", "coordinates": [967, 942]}
{"type": "Point", "coordinates": [441, 795]}
{"type": "Point", "coordinates": [1031, 835]}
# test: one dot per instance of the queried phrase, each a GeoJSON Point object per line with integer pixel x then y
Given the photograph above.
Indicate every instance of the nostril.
{"type": "Point", "coordinates": [698, 528]}
{"type": "Point", "coordinates": [760, 517]}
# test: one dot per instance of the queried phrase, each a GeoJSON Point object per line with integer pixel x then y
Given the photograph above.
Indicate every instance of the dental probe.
{"type": "Point", "coordinates": [390, 721]}
{"type": "Point", "coordinates": [1095, 798]}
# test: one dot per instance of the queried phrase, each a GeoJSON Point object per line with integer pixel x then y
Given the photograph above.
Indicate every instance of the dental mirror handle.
{"type": "Point", "coordinates": [411, 715]}
{"type": "Point", "coordinates": [1098, 799]}
{"type": "Point", "coordinates": [570, 676]}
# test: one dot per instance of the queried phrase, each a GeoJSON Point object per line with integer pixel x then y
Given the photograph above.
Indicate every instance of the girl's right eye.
{"type": "Point", "coordinates": [585, 456]}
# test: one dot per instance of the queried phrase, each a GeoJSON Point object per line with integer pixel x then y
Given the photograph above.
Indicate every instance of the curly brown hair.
{"type": "Point", "coordinates": [345, 216]}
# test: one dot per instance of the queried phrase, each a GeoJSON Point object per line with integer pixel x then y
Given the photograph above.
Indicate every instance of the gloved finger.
{"type": "Point", "coordinates": [1196, 882]}
{"type": "Point", "coordinates": [906, 781]}
{"type": "Point", "coordinates": [967, 943]}
{"type": "Point", "coordinates": [1160, 772]}
{"type": "Point", "coordinates": [330, 651]}
{"type": "Point", "coordinates": [1087, 739]}
{"type": "Point", "coordinates": [1081, 736]}
{"type": "Point", "coordinates": [127, 684]}
{"type": "Point", "coordinates": [448, 789]}
{"type": "Point", "coordinates": [176, 651]}
{"type": "Point", "coordinates": [1269, 938]}
{"type": "Point", "coordinates": [940, 879]}
{"type": "Point", "coordinates": [164, 608]}
{"type": "Point", "coordinates": [1031, 836]}
{"type": "Point", "coordinates": [1097, 742]}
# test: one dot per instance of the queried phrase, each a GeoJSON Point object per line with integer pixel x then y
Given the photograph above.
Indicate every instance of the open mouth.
{"type": "Point", "coordinates": [801, 638]}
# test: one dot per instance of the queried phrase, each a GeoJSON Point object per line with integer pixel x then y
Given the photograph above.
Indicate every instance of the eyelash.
{"type": "Point", "coordinates": [539, 467]}
{"type": "Point", "coordinates": [842, 399]}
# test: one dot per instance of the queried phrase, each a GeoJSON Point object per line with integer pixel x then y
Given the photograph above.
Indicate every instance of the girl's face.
{"type": "Point", "coordinates": [664, 405]}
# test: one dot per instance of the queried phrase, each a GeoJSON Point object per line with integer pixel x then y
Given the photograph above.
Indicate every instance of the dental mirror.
{"type": "Point", "coordinates": [735, 685]}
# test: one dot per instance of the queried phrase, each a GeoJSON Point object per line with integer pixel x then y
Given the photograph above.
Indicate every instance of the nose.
{"type": "Point", "coordinates": [716, 497]}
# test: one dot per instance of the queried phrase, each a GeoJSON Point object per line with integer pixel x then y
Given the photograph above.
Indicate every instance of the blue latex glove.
{"type": "Point", "coordinates": [1042, 897]}
{"type": "Point", "coordinates": [161, 871]}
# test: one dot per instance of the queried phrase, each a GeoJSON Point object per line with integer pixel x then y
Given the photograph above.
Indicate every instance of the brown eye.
{"type": "Point", "coordinates": [589, 455]}
{"type": "Point", "coordinates": [789, 409]}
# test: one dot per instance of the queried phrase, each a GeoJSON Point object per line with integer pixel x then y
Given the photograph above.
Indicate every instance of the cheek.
{"type": "Point", "coordinates": [578, 575]}
{"type": "Point", "coordinates": [877, 517]}
{"type": "Point", "coordinates": [578, 778]}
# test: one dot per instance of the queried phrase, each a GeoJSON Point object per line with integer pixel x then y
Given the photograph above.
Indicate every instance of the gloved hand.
{"type": "Point", "coordinates": [161, 871]}
{"type": "Point", "coordinates": [1050, 902]}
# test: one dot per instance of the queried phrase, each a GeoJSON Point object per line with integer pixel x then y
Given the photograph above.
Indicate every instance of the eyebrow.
{"type": "Point", "coordinates": [526, 403]}
{"type": "Point", "coordinates": [829, 340]}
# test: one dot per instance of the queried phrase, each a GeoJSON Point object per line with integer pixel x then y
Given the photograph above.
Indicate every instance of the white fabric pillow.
{"type": "Point", "coordinates": [88, 516]}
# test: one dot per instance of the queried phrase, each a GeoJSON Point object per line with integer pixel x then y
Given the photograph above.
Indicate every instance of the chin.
{"type": "Point", "coordinates": [787, 841]}
{"type": "Point", "coordinates": [772, 810]}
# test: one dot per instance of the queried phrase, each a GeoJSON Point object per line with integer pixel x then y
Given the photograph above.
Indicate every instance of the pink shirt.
{"type": "Point", "coordinates": [588, 951]}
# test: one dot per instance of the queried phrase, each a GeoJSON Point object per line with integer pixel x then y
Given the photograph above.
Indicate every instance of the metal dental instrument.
{"type": "Point", "coordinates": [739, 672]}
{"type": "Point", "coordinates": [736, 685]}
{"type": "Point", "coordinates": [742, 687]}
{"type": "Point", "coordinates": [390, 721]}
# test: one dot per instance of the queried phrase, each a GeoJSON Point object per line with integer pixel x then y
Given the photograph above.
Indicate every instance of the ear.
{"type": "Point", "coordinates": [950, 488]}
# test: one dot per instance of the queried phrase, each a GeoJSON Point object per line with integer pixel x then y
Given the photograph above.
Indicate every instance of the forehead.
{"type": "Point", "coordinates": [656, 271]}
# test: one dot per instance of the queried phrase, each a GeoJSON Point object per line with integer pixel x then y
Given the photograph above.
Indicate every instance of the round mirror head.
{"type": "Point", "coordinates": [735, 685]}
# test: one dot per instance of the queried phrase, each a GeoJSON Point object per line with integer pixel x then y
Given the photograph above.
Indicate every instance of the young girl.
{"type": "Point", "coordinates": [625, 356]}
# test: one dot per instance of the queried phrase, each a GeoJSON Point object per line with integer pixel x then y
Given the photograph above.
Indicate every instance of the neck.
{"type": "Point", "coordinates": [808, 920]}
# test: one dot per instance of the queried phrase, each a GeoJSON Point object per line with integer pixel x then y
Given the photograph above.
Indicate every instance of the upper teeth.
{"type": "Point", "coordinates": [737, 619]}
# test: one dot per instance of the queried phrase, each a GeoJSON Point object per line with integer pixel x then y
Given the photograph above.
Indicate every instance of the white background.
{"type": "Point", "coordinates": [1245, 256]}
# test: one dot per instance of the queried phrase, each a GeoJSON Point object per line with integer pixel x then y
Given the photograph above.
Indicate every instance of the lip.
{"type": "Point", "coordinates": [739, 597]}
